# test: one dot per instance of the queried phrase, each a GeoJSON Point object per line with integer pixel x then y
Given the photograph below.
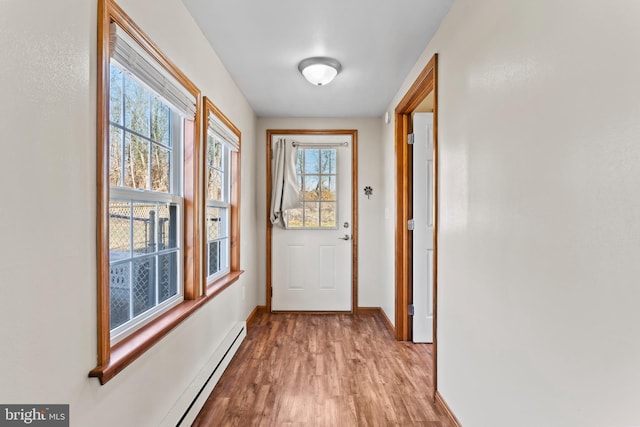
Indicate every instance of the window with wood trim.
{"type": "Point", "coordinates": [149, 271]}
{"type": "Point", "coordinates": [149, 110]}
{"type": "Point", "coordinates": [222, 178]}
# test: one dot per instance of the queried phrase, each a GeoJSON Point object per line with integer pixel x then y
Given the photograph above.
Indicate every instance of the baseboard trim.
{"type": "Point", "coordinates": [254, 313]}
{"type": "Point", "coordinates": [446, 409]}
{"type": "Point", "coordinates": [367, 310]}
{"type": "Point", "coordinates": [380, 311]}
{"type": "Point", "coordinates": [390, 326]}
{"type": "Point", "coordinates": [308, 312]}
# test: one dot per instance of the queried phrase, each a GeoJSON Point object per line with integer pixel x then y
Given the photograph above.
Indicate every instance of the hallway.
{"type": "Point", "coordinates": [324, 370]}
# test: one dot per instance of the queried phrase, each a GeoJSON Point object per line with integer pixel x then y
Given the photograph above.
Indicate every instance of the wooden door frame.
{"type": "Point", "coordinates": [425, 84]}
{"type": "Point", "coordinates": [353, 133]}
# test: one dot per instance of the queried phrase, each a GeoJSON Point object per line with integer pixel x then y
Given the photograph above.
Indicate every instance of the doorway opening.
{"type": "Point", "coordinates": [346, 228]}
{"type": "Point", "coordinates": [424, 89]}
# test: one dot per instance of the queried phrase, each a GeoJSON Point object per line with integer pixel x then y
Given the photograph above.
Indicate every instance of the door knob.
{"type": "Point", "coordinates": [346, 237]}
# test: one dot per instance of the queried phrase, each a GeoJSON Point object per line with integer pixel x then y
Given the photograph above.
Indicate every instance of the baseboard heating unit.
{"type": "Point", "coordinates": [188, 406]}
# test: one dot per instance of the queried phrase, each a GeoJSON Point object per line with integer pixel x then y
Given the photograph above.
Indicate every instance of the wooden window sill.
{"type": "Point", "coordinates": [132, 347]}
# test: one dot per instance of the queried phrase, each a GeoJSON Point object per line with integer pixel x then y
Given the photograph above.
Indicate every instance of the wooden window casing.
{"type": "Point", "coordinates": [215, 287]}
{"type": "Point", "coordinates": [113, 358]}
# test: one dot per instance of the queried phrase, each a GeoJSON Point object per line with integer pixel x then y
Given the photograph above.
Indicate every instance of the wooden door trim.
{"type": "Point", "coordinates": [354, 204]}
{"type": "Point", "coordinates": [425, 83]}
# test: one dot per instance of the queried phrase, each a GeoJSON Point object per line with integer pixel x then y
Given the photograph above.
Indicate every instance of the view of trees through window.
{"type": "Point", "coordinates": [316, 171]}
{"type": "Point", "coordinates": [143, 231]}
{"type": "Point", "coordinates": [217, 212]}
{"type": "Point", "coordinates": [140, 136]}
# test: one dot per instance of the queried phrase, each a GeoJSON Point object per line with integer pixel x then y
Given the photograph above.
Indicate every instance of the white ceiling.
{"type": "Point", "coordinates": [261, 43]}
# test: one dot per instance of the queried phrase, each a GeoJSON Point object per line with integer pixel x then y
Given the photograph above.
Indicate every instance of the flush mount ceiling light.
{"type": "Point", "coordinates": [319, 70]}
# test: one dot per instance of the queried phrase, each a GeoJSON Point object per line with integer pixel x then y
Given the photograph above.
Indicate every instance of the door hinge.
{"type": "Point", "coordinates": [411, 310]}
{"type": "Point", "coordinates": [410, 139]}
{"type": "Point", "coordinates": [411, 224]}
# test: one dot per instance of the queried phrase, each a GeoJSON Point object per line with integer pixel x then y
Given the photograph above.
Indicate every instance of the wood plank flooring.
{"type": "Point", "coordinates": [324, 370]}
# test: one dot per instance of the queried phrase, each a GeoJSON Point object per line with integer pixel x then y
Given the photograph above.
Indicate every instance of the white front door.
{"type": "Point", "coordinates": [423, 216]}
{"type": "Point", "coordinates": [311, 258]}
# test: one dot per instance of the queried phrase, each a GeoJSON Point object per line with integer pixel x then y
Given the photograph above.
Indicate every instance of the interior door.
{"type": "Point", "coordinates": [423, 216]}
{"type": "Point", "coordinates": [311, 257]}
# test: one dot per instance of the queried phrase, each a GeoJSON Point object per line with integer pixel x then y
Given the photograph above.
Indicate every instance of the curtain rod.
{"type": "Point", "coordinates": [320, 144]}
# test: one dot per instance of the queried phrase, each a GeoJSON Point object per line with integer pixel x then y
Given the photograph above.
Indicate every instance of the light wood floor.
{"type": "Point", "coordinates": [324, 370]}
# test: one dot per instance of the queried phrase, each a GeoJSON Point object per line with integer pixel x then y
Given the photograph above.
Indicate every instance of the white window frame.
{"type": "Point", "coordinates": [174, 196]}
{"type": "Point", "coordinates": [225, 203]}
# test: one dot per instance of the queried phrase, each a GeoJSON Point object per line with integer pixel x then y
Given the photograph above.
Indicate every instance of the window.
{"type": "Point", "coordinates": [316, 171]}
{"type": "Point", "coordinates": [150, 111]}
{"type": "Point", "coordinates": [149, 206]}
{"type": "Point", "coordinates": [145, 204]}
{"type": "Point", "coordinates": [217, 215]}
{"type": "Point", "coordinates": [221, 193]}
{"type": "Point", "coordinates": [152, 206]}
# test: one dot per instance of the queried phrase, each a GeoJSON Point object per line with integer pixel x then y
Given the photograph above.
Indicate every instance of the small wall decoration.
{"type": "Point", "coordinates": [368, 191]}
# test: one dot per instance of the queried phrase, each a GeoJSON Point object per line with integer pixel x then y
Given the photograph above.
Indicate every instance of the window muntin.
{"type": "Point", "coordinates": [217, 207]}
{"type": "Point", "coordinates": [317, 184]}
{"type": "Point", "coordinates": [145, 205]}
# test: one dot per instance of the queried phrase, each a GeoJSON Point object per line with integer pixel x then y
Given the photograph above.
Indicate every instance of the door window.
{"type": "Point", "coordinates": [317, 184]}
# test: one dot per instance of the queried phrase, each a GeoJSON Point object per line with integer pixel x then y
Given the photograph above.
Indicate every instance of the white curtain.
{"type": "Point", "coordinates": [284, 191]}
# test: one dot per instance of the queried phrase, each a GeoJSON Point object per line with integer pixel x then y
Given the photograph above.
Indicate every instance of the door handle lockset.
{"type": "Point", "coordinates": [346, 237]}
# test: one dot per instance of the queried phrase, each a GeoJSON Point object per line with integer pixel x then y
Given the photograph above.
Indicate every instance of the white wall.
{"type": "Point", "coordinates": [370, 210]}
{"type": "Point", "coordinates": [47, 215]}
{"type": "Point", "coordinates": [539, 130]}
